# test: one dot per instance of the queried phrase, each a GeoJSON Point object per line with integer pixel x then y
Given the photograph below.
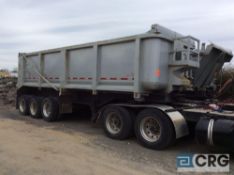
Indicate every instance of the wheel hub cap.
{"type": "Point", "coordinates": [47, 109]}
{"type": "Point", "coordinates": [113, 123]}
{"type": "Point", "coordinates": [150, 129]}
{"type": "Point", "coordinates": [22, 105]}
{"type": "Point", "coordinates": [33, 108]}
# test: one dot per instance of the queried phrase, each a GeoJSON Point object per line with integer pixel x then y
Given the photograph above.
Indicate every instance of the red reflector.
{"type": "Point", "coordinates": [113, 78]}
{"type": "Point", "coordinates": [157, 73]}
{"type": "Point", "coordinates": [123, 78]}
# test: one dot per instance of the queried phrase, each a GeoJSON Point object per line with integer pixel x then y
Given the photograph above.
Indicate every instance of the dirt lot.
{"type": "Point", "coordinates": [75, 146]}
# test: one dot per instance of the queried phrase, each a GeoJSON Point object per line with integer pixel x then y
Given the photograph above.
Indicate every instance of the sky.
{"type": "Point", "coordinates": [32, 25]}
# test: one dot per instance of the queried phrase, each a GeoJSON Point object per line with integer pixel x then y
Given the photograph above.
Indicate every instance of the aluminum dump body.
{"type": "Point", "coordinates": [156, 60]}
{"type": "Point", "coordinates": [157, 68]}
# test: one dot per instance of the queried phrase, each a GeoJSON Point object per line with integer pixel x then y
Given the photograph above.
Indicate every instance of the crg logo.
{"type": "Point", "coordinates": [203, 163]}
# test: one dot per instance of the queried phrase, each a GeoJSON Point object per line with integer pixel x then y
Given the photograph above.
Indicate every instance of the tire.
{"type": "Point", "coordinates": [117, 122]}
{"type": "Point", "coordinates": [35, 107]}
{"type": "Point", "coordinates": [50, 109]}
{"type": "Point", "coordinates": [23, 104]}
{"type": "Point", "coordinates": [154, 129]}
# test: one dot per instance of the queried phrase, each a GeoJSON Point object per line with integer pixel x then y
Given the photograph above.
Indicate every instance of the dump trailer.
{"type": "Point", "coordinates": [158, 86]}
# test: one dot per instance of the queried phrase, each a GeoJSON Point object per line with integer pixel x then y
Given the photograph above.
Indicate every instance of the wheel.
{"type": "Point", "coordinates": [35, 107]}
{"type": "Point", "coordinates": [117, 122]}
{"type": "Point", "coordinates": [23, 104]}
{"type": "Point", "coordinates": [154, 129]}
{"type": "Point", "coordinates": [50, 109]}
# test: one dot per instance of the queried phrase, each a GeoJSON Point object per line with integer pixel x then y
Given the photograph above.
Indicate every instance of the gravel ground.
{"type": "Point", "coordinates": [75, 146]}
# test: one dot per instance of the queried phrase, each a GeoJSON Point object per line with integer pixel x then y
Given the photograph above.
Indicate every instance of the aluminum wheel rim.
{"type": "Point", "coordinates": [150, 129]}
{"type": "Point", "coordinates": [22, 105]}
{"type": "Point", "coordinates": [113, 123]}
{"type": "Point", "coordinates": [47, 108]}
{"type": "Point", "coordinates": [33, 108]}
